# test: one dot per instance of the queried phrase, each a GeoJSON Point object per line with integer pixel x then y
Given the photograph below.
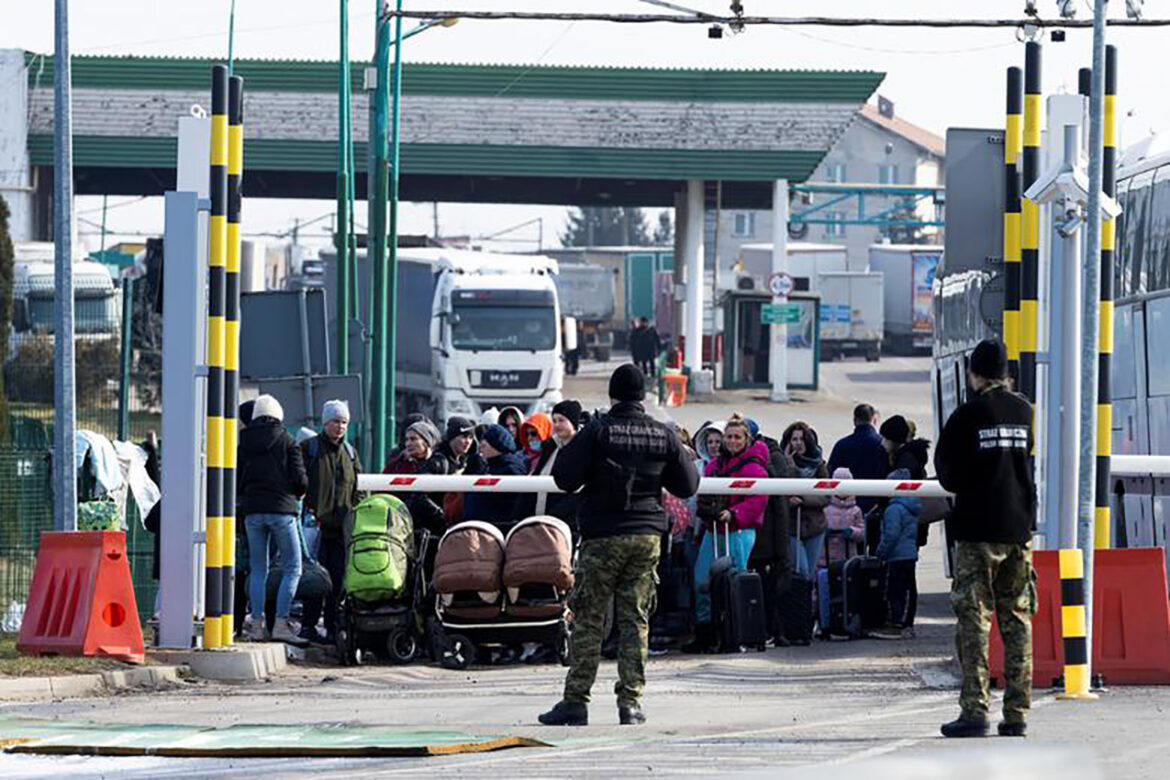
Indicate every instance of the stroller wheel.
{"type": "Point", "coordinates": [347, 649]}
{"type": "Point", "coordinates": [401, 646]}
{"type": "Point", "coordinates": [563, 646]}
{"type": "Point", "coordinates": [457, 653]}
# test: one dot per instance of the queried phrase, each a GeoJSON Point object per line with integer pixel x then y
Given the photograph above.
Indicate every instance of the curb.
{"type": "Point", "coordinates": [245, 662]}
{"type": "Point", "coordinates": [78, 685]}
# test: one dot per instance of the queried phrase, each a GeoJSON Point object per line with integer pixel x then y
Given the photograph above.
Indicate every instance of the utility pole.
{"type": "Point", "coordinates": [344, 199]}
{"type": "Point", "coordinates": [377, 241]}
{"type": "Point", "coordinates": [64, 387]}
{"type": "Point", "coordinates": [435, 219]}
{"type": "Point", "coordinates": [1086, 498]}
{"type": "Point", "coordinates": [395, 170]}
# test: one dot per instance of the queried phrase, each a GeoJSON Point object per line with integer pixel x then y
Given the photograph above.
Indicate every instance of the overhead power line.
{"type": "Point", "coordinates": [775, 21]}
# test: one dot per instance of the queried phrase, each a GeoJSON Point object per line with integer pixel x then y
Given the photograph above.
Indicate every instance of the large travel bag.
{"type": "Point", "coordinates": [852, 597]}
{"type": "Point", "coordinates": [380, 548]}
{"type": "Point", "coordinates": [675, 614]}
{"type": "Point", "coordinates": [737, 604]}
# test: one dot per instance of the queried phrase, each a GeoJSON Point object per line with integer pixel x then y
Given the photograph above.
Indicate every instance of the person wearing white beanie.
{"type": "Point", "coordinates": [267, 406]}
{"type": "Point", "coordinates": [272, 479]}
{"type": "Point", "coordinates": [334, 410]}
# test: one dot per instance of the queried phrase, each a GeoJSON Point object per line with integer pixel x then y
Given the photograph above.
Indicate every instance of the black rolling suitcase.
{"type": "Point", "coordinates": [796, 610]}
{"type": "Point", "coordinates": [852, 597]}
{"type": "Point", "coordinates": [737, 603]}
{"type": "Point", "coordinates": [674, 616]}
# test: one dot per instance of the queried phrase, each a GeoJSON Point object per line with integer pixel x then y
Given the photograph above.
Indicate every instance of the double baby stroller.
{"type": "Point", "coordinates": [497, 590]}
{"type": "Point", "coordinates": [378, 606]}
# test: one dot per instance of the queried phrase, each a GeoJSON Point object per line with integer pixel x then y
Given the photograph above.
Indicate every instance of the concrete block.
{"type": "Point", "coordinates": [702, 384]}
{"type": "Point", "coordinates": [24, 688]}
{"type": "Point", "coordinates": [76, 685]}
{"type": "Point", "coordinates": [144, 677]}
{"type": "Point", "coordinates": [239, 663]}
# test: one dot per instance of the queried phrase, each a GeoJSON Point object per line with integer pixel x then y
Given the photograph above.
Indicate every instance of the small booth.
{"type": "Point", "coordinates": [748, 316]}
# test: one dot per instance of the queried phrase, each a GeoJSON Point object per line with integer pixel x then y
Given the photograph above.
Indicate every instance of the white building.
{"type": "Point", "coordinates": [877, 149]}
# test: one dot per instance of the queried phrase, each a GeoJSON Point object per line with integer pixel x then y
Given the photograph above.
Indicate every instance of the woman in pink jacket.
{"type": "Point", "coordinates": [843, 514]}
{"type": "Point", "coordinates": [743, 458]}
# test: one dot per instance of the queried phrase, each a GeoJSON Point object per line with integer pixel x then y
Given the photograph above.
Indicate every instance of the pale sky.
{"type": "Point", "coordinates": [936, 78]}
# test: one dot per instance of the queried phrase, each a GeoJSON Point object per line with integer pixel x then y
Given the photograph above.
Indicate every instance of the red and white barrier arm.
{"type": "Point", "coordinates": [882, 488]}
{"type": "Point", "coordinates": [1140, 465]}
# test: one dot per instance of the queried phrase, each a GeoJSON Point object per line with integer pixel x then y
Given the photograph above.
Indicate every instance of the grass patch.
{"type": "Point", "coordinates": [12, 664]}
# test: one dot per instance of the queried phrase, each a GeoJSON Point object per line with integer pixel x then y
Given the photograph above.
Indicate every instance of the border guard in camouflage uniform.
{"type": "Point", "coordinates": [984, 457]}
{"type": "Point", "coordinates": [621, 462]}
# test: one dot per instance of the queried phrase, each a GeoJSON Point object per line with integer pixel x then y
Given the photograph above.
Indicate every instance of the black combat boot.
{"type": "Point", "coordinates": [631, 715]}
{"type": "Point", "coordinates": [1013, 728]}
{"type": "Point", "coordinates": [963, 727]}
{"type": "Point", "coordinates": [566, 713]}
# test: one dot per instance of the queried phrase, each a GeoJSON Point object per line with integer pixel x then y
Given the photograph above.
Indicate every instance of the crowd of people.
{"type": "Point", "coordinates": [628, 490]}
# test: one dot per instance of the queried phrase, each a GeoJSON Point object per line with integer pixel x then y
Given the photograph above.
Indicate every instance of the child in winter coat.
{"type": "Point", "coordinates": [899, 548]}
{"type": "Point", "coordinates": [843, 514]}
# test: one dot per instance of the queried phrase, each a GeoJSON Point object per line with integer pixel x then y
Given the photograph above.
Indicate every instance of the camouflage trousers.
{"type": "Point", "coordinates": [994, 578]}
{"type": "Point", "coordinates": [622, 570]}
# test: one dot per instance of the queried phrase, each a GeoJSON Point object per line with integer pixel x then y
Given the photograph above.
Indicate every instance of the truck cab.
{"type": "Point", "coordinates": [496, 334]}
{"type": "Point", "coordinates": [96, 303]}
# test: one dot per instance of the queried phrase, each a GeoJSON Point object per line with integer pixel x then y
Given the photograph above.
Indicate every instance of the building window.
{"type": "Point", "coordinates": [743, 224]}
{"type": "Point", "coordinates": [835, 172]}
{"type": "Point", "coordinates": [835, 230]}
{"type": "Point", "coordinates": [887, 174]}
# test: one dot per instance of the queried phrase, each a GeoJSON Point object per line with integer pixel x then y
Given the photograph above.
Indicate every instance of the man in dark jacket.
{"type": "Point", "coordinates": [458, 445]}
{"type": "Point", "coordinates": [864, 455]}
{"type": "Point", "coordinates": [984, 457]}
{"type": "Point", "coordinates": [498, 458]}
{"type": "Point", "coordinates": [332, 465]}
{"type": "Point", "coordinates": [621, 462]}
{"type": "Point", "coordinates": [861, 451]}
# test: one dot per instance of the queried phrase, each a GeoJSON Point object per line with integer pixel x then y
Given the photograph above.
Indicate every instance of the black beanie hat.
{"type": "Point", "coordinates": [989, 359]}
{"type": "Point", "coordinates": [628, 383]}
{"type": "Point", "coordinates": [570, 409]}
{"type": "Point", "coordinates": [896, 429]}
{"type": "Point", "coordinates": [457, 426]}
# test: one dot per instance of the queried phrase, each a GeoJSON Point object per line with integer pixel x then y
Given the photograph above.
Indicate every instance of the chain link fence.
{"type": "Point", "coordinates": [104, 405]}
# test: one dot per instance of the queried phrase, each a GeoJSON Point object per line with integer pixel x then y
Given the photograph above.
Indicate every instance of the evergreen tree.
{"type": "Point", "coordinates": [664, 233]}
{"type": "Point", "coordinates": [606, 226]}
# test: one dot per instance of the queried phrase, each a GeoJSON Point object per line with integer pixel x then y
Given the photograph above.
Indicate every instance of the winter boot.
{"type": "Point", "coordinates": [566, 713]}
{"type": "Point", "coordinates": [962, 727]}
{"type": "Point", "coordinates": [631, 715]}
{"type": "Point", "coordinates": [1013, 728]}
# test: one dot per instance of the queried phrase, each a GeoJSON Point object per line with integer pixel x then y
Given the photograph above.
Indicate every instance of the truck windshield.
{"type": "Point", "coordinates": [92, 313]}
{"type": "Point", "coordinates": [505, 328]}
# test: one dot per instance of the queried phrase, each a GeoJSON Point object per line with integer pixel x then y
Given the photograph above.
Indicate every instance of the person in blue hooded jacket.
{"type": "Point", "coordinates": [899, 549]}
{"type": "Point", "coordinates": [498, 458]}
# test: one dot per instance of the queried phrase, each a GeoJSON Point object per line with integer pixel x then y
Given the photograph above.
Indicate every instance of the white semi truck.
{"type": "Point", "coordinates": [475, 330]}
{"type": "Point", "coordinates": [97, 307]}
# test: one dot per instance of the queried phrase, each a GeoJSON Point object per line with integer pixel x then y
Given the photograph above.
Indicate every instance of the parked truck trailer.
{"type": "Point", "coordinates": [908, 271]}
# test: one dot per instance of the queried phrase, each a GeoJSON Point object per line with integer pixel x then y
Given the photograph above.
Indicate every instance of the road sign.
{"type": "Point", "coordinates": [780, 284]}
{"type": "Point", "coordinates": [780, 313]}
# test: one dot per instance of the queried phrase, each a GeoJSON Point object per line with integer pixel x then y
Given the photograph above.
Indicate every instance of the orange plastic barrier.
{"type": "Point", "coordinates": [676, 389]}
{"type": "Point", "coordinates": [82, 599]}
{"type": "Point", "coordinates": [1131, 619]}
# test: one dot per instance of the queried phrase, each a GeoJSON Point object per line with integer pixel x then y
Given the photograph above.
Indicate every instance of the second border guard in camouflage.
{"type": "Point", "coordinates": [984, 457]}
{"type": "Point", "coordinates": [621, 462]}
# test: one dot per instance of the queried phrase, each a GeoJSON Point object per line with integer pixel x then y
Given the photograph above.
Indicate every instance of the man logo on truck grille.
{"type": "Point", "coordinates": [1003, 437]}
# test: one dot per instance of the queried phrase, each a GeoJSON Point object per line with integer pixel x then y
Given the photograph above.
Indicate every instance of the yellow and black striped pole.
{"type": "Point", "coordinates": [1012, 141]}
{"type": "Point", "coordinates": [1102, 526]}
{"type": "Point", "coordinates": [1030, 223]}
{"type": "Point", "coordinates": [217, 262]}
{"type": "Point", "coordinates": [1074, 625]}
{"type": "Point", "coordinates": [231, 355]}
